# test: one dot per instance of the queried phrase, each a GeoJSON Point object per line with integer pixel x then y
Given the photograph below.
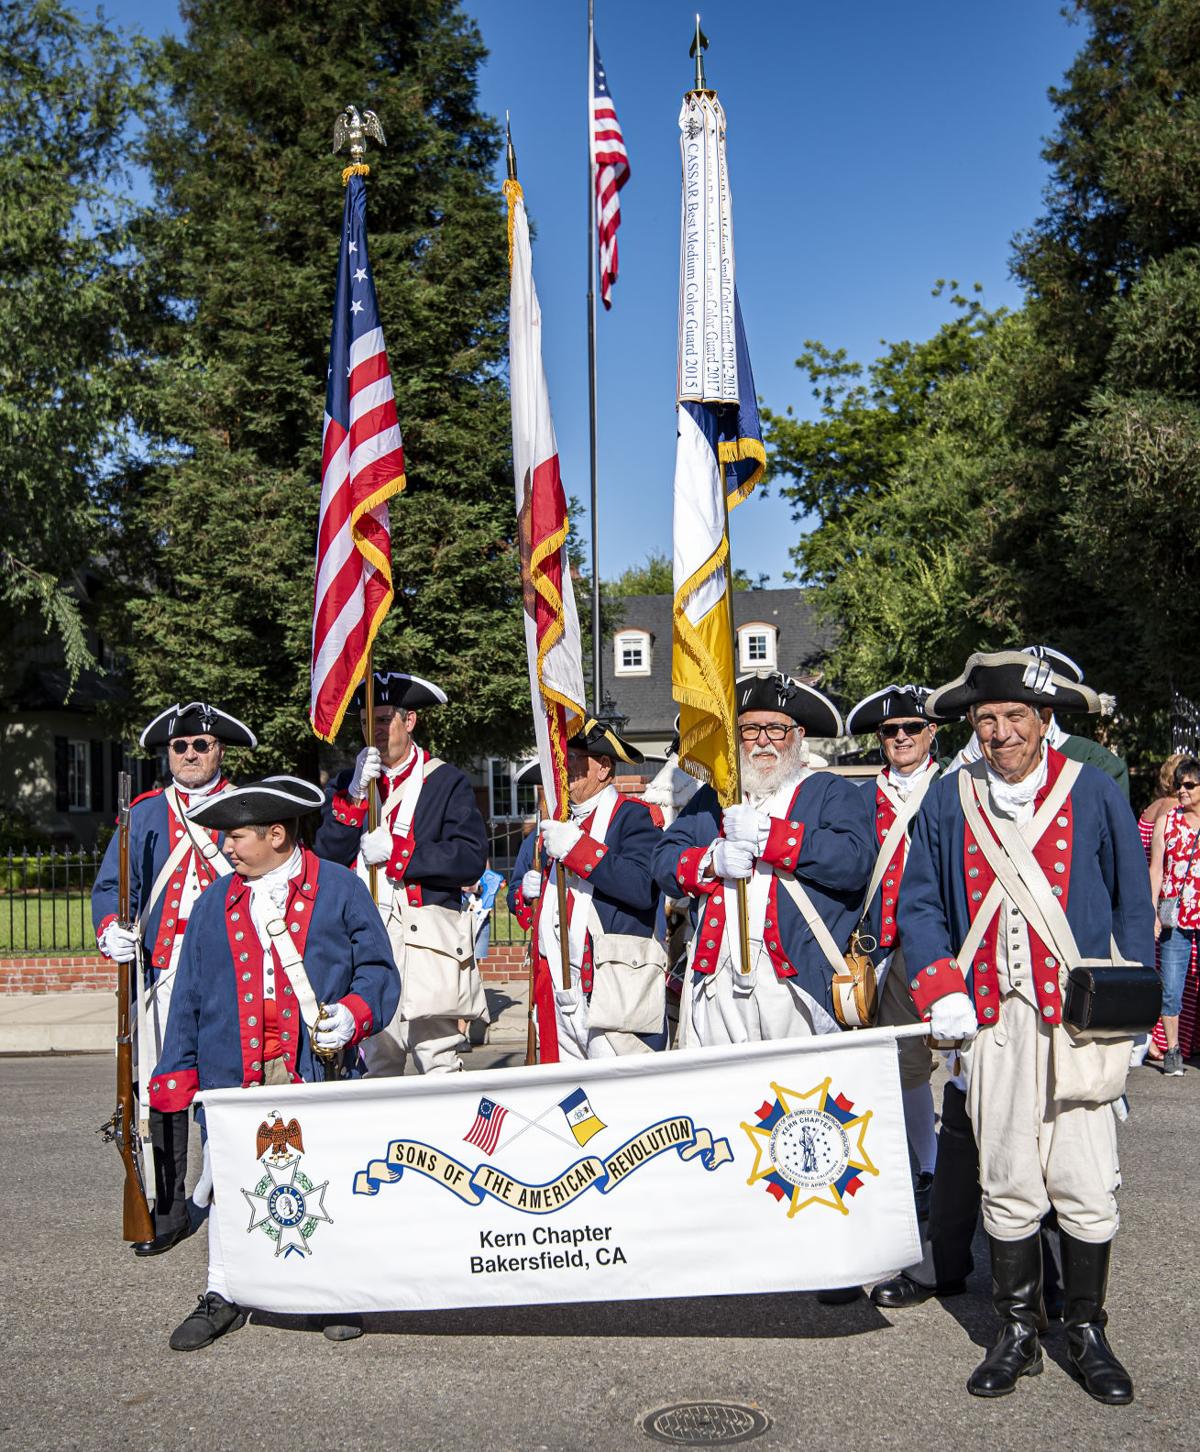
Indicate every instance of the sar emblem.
{"type": "Point", "coordinates": [809, 1148]}
{"type": "Point", "coordinates": [285, 1204]}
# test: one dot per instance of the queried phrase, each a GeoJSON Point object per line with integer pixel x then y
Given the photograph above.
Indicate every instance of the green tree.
{"type": "Point", "coordinates": [67, 94]}
{"type": "Point", "coordinates": [220, 515]}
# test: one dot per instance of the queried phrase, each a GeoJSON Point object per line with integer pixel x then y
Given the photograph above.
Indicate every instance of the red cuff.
{"type": "Point", "coordinates": [687, 873]}
{"type": "Point", "coordinates": [103, 927]}
{"type": "Point", "coordinates": [783, 843]}
{"type": "Point", "coordinates": [347, 810]}
{"type": "Point", "coordinates": [584, 856]}
{"type": "Point", "coordinates": [363, 1018]}
{"type": "Point", "coordinates": [937, 981]}
{"type": "Point", "coordinates": [398, 862]}
{"type": "Point", "coordinates": [522, 911]}
{"type": "Point", "coordinates": [174, 1091]}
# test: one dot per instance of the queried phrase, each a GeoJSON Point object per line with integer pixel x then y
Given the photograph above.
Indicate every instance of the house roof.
{"type": "Point", "coordinates": [647, 700]}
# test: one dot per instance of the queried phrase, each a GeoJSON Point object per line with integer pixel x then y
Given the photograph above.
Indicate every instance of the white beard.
{"type": "Point", "coordinates": [761, 776]}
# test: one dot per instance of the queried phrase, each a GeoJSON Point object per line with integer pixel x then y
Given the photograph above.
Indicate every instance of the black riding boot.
{"type": "Point", "coordinates": [1085, 1281]}
{"type": "Point", "coordinates": [1017, 1296]}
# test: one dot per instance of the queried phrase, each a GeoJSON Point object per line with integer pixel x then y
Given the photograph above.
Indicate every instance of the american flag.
{"type": "Point", "coordinates": [362, 466]}
{"type": "Point", "coordinates": [485, 1132]}
{"type": "Point", "coordinates": [610, 172]}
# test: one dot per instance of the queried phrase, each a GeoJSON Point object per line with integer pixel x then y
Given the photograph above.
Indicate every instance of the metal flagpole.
{"type": "Point", "coordinates": [597, 644]}
{"type": "Point", "coordinates": [372, 787]}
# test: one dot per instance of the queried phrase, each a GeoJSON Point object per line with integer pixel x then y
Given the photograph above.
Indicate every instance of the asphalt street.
{"type": "Point", "coordinates": [85, 1327]}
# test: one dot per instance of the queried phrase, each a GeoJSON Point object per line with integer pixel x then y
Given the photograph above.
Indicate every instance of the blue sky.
{"type": "Point", "coordinates": [873, 148]}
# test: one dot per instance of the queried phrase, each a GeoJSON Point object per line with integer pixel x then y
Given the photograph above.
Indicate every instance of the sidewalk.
{"type": "Point", "coordinates": [85, 1023]}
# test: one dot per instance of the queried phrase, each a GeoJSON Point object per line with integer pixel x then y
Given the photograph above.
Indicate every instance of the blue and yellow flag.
{"type": "Point", "coordinates": [582, 1119]}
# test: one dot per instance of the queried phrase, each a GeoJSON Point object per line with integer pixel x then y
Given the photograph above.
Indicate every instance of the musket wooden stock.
{"type": "Point", "coordinates": [136, 1220]}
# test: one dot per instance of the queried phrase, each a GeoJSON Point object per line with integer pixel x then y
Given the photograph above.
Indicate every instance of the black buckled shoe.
{"type": "Point", "coordinates": [213, 1316]}
{"type": "Point", "coordinates": [1091, 1358]}
{"type": "Point", "coordinates": [1017, 1296]}
{"type": "Point", "coordinates": [162, 1242]}
{"type": "Point", "coordinates": [902, 1291]}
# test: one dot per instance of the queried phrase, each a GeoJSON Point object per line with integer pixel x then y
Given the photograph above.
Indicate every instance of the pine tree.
{"type": "Point", "coordinates": [220, 516]}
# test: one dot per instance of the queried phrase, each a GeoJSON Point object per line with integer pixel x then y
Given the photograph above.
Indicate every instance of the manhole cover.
{"type": "Point", "coordinates": [705, 1424]}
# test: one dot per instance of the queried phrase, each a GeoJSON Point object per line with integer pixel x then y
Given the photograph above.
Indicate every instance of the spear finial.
{"type": "Point", "coordinates": [699, 46]}
{"type": "Point", "coordinates": [510, 153]}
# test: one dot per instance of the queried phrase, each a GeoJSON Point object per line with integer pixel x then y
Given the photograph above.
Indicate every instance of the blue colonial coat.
{"type": "Point", "coordinates": [154, 830]}
{"type": "Point", "coordinates": [827, 841]}
{"type": "Point", "coordinates": [446, 851]}
{"type": "Point", "coordinates": [1092, 856]}
{"type": "Point", "coordinates": [624, 895]}
{"type": "Point", "coordinates": [882, 921]}
{"type": "Point", "coordinates": [215, 1030]}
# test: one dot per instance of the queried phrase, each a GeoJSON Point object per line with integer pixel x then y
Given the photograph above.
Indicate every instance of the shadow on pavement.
{"type": "Point", "coordinates": [797, 1315]}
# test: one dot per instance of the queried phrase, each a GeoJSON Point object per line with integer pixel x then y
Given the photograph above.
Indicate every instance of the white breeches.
{"type": "Point", "coordinates": [1035, 1152]}
{"type": "Point", "coordinates": [577, 1040]}
{"type": "Point", "coordinates": [725, 1011]}
{"type": "Point", "coordinates": [432, 1042]}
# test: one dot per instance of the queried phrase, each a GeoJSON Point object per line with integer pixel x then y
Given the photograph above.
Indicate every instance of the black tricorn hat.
{"type": "Point", "coordinates": [1056, 660]}
{"type": "Point", "coordinates": [1010, 675]}
{"type": "Point", "coordinates": [773, 691]}
{"type": "Point", "coordinates": [259, 803]}
{"type": "Point", "coordinates": [530, 774]}
{"type": "Point", "coordinates": [197, 718]}
{"type": "Point", "coordinates": [401, 691]}
{"type": "Point", "coordinates": [597, 739]}
{"type": "Point", "coordinates": [892, 703]}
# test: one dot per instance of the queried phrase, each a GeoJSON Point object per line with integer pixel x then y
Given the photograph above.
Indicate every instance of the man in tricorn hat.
{"type": "Point", "coordinates": [285, 963]}
{"type": "Point", "coordinates": [1076, 748]}
{"type": "Point", "coordinates": [430, 840]}
{"type": "Point", "coordinates": [802, 841]}
{"type": "Point", "coordinates": [617, 1000]}
{"type": "Point", "coordinates": [906, 734]}
{"type": "Point", "coordinates": [1022, 864]}
{"type": "Point", "coordinates": [171, 861]}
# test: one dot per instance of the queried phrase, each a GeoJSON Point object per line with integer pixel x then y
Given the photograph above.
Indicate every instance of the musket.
{"type": "Point", "coordinates": [136, 1220]}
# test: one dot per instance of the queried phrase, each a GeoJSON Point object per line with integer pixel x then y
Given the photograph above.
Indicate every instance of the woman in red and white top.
{"type": "Point", "coordinates": [1175, 877]}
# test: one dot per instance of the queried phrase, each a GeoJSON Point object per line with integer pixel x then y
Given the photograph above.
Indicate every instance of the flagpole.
{"type": "Point", "coordinates": [372, 787]}
{"type": "Point", "coordinates": [597, 661]}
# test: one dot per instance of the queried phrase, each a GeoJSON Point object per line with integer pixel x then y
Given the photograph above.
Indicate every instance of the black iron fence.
{"type": "Point", "coordinates": [46, 898]}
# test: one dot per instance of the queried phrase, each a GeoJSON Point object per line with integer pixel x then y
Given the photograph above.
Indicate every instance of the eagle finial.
{"type": "Point", "coordinates": [355, 127]}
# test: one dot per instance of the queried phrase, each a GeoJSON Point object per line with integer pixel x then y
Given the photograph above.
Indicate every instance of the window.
{"type": "Point", "coordinates": [631, 653]}
{"type": "Point", "coordinates": [79, 777]}
{"type": "Point", "coordinates": [756, 647]}
{"type": "Point", "coordinates": [500, 783]}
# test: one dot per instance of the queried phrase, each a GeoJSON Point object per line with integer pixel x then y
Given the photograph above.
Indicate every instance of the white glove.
{"type": "Point", "coordinates": [335, 1027]}
{"type": "Point", "coordinates": [531, 885]}
{"type": "Point", "coordinates": [118, 943]}
{"type": "Point", "coordinates": [377, 846]}
{"type": "Point", "coordinates": [953, 1018]}
{"type": "Point", "coordinates": [744, 823]}
{"type": "Point", "coordinates": [732, 859]}
{"type": "Point", "coordinates": [202, 1194]}
{"type": "Point", "coordinates": [558, 838]}
{"type": "Point", "coordinates": [368, 768]}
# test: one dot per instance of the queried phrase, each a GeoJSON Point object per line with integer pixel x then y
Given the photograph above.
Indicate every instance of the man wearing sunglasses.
{"type": "Point", "coordinates": [795, 826]}
{"type": "Point", "coordinates": [906, 735]}
{"type": "Point", "coordinates": [171, 862]}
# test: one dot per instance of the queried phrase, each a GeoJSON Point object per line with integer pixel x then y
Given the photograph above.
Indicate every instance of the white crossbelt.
{"type": "Point", "coordinates": [292, 963]}
{"type": "Point", "coordinates": [906, 808]}
{"type": "Point", "coordinates": [397, 812]}
{"type": "Point", "coordinates": [579, 894]}
{"type": "Point", "coordinates": [1016, 870]}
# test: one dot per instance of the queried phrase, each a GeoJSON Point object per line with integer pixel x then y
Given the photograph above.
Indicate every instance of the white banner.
{"type": "Point", "coordinates": [762, 1167]}
{"type": "Point", "coordinates": [707, 347]}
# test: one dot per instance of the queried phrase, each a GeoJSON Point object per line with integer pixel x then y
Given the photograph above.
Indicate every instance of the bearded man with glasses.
{"type": "Point", "coordinates": [802, 841]}
{"type": "Point", "coordinates": [171, 862]}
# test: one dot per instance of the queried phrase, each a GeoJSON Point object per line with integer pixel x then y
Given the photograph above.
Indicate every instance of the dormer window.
{"type": "Point", "coordinates": [756, 647]}
{"type": "Point", "coordinates": [631, 653]}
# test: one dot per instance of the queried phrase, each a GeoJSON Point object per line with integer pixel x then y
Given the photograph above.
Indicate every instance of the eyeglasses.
{"type": "Point", "coordinates": [910, 728]}
{"type": "Point", "coordinates": [774, 732]}
{"type": "Point", "coordinates": [200, 746]}
{"type": "Point", "coordinates": [1187, 786]}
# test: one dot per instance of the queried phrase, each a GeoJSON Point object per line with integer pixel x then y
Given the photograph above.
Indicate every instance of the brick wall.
{"type": "Point", "coordinates": [89, 973]}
